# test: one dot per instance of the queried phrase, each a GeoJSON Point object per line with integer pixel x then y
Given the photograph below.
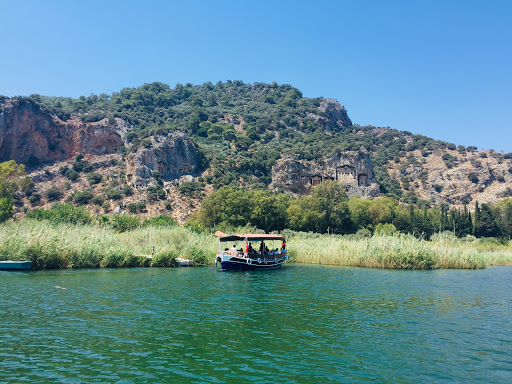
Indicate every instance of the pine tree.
{"type": "Point", "coordinates": [506, 227]}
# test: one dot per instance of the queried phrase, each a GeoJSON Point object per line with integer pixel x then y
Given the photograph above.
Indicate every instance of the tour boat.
{"type": "Point", "coordinates": [242, 256]}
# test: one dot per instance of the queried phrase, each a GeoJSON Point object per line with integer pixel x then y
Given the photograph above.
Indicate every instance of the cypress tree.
{"type": "Point", "coordinates": [476, 227]}
{"type": "Point", "coordinates": [426, 225]}
{"type": "Point", "coordinates": [466, 228]}
{"type": "Point", "coordinates": [487, 223]}
{"type": "Point", "coordinates": [445, 223]}
{"type": "Point", "coordinates": [454, 222]}
{"type": "Point", "coordinates": [469, 223]}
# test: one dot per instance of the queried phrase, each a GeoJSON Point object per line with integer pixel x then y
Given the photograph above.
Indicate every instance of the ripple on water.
{"type": "Point", "coordinates": [295, 325]}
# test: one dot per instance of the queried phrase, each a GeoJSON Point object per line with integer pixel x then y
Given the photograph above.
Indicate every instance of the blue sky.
{"type": "Point", "coordinates": [439, 68]}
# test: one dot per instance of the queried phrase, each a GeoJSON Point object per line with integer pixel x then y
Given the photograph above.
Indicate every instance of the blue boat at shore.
{"type": "Point", "coordinates": [250, 258]}
{"type": "Point", "coordinates": [15, 265]}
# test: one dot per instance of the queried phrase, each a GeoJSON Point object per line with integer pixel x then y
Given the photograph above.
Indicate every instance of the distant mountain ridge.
{"type": "Point", "coordinates": [236, 134]}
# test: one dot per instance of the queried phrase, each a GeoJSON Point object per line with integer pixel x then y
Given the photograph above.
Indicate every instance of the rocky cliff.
{"type": "Point", "coordinates": [30, 135]}
{"type": "Point", "coordinates": [331, 115]}
{"type": "Point", "coordinates": [353, 169]}
{"type": "Point", "coordinates": [241, 129]}
{"type": "Point", "coordinates": [172, 156]}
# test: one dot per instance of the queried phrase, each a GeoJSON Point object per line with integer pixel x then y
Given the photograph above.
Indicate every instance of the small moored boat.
{"type": "Point", "coordinates": [15, 265]}
{"type": "Point", "coordinates": [184, 262]}
{"type": "Point", "coordinates": [248, 258]}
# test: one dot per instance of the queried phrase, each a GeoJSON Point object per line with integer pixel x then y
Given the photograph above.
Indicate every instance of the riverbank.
{"type": "Point", "coordinates": [50, 246]}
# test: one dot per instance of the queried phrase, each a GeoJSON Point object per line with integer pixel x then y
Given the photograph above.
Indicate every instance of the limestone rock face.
{"type": "Point", "coordinates": [173, 156]}
{"type": "Point", "coordinates": [332, 115]}
{"type": "Point", "coordinates": [351, 168]}
{"type": "Point", "coordinates": [28, 134]}
{"type": "Point", "coordinates": [482, 176]}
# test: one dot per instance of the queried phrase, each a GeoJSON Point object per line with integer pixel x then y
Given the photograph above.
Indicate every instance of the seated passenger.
{"type": "Point", "coordinates": [233, 248]}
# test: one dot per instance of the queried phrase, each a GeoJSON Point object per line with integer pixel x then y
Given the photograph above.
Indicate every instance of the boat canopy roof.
{"type": "Point", "coordinates": [248, 236]}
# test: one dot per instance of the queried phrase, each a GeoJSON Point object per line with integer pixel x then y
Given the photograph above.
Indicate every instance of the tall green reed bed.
{"type": "Point", "coordinates": [397, 252]}
{"type": "Point", "coordinates": [53, 245]}
{"type": "Point", "coordinates": [63, 245]}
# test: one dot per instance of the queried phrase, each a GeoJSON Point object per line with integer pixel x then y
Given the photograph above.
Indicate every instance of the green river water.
{"type": "Point", "coordinates": [300, 324]}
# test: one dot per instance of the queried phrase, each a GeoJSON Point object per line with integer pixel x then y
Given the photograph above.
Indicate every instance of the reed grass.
{"type": "Point", "coordinates": [54, 245]}
{"type": "Point", "coordinates": [397, 252]}
{"type": "Point", "coordinates": [50, 245]}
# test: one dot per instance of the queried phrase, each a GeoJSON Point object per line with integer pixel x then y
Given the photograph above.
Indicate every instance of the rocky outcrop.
{"type": "Point", "coordinates": [30, 135]}
{"type": "Point", "coordinates": [482, 176]}
{"type": "Point", "coordinates": [332, 115]}
{"type": "Point", "coordinates": [172, 156]}
{"type": "Point", "coordinates": [352, 169]}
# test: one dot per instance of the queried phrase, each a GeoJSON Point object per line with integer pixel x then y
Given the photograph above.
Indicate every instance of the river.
{"type": "Point", "coordinates": [300, 324]}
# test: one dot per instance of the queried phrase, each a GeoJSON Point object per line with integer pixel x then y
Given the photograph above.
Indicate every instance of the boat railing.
{"type": "Point", "coordinates": [230, 253]}
{"type": "Point", "coordinates": [270, 255]}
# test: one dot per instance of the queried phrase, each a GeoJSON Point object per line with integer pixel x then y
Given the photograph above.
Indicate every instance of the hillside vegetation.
{"type": "Point", "coordinates": [244, 128]}
{"type": "Point", "coordinates": [240, 131]}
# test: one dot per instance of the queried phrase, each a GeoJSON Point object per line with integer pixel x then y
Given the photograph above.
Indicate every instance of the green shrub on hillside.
{"type": "Point", "coordinates": [34, 199]}
{"type": "Point", "coordinates": [155, 193]}
{"type": "Point", "coordinates": [191, 188]}
{"type": "Point", "coordinates": [83, 198]}
{"type": "Point", "coordinates": [71, 174]}
{"type": "Point", "coordinates": [121, 223]}
{"type": "Point", "coordinates": [160, 221]}
{"type": "Point", "coordinates": [98, 200]}
{"type": "Point", "coordinates": [62, 213]}
{"type": "Point", "coordinates": [127, 190]}
{"type": "Point", "coordinates": [53, 194]}
{"type": "Point", "coordinates": [6, 210]}
{"type": "Point", "coordinates": [94, 178]}
{"type": "Point", "coordinates": [112, 193]}
{"type": "Point", "coordinates": [473, 177]}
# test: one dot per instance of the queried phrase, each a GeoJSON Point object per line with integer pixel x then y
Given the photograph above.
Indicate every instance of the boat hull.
{"type": "Point", "coordinates": [15, 265]}
{"type": "Point", "coordinates": [240, 266]}
{"type": "Point", "coordinates": [234, 263]}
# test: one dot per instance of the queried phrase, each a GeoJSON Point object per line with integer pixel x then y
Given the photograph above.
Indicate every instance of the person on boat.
{"type": "Point", "coordinates": [233, 248]}
{"type": "Point", "coordinates": [262, 247]}
{"type": "Point", "coordinates": [283, 246]}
